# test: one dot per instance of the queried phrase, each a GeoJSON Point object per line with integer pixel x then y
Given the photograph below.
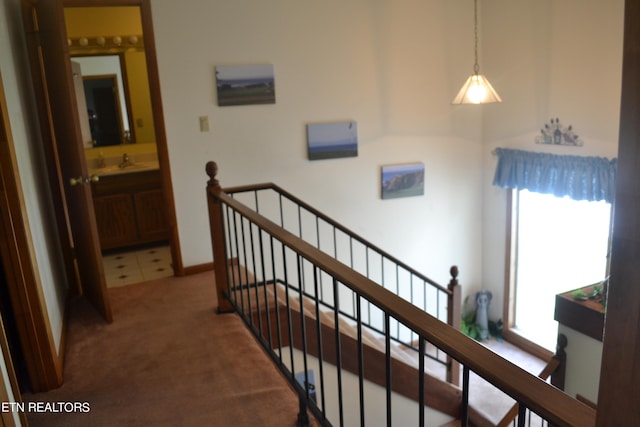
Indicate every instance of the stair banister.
{"type": "Point", "coordinates": [542, 398]}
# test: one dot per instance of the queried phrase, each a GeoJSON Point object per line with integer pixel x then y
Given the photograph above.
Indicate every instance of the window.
{"type": "Point", "coordinates": [558, 244]}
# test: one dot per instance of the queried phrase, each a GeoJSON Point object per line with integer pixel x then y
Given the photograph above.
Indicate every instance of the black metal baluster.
{"type": "Point", "coordinates": [522, 414]}
{"type": "Point", "coordinates": [246, 270]}
{"type": "Point", "coordinates": [360, 359]}
{"type": "Point", "coordinates": [465, 396]}
{"type": "Point", "coordinates": [238, 283]}
{"type": "Point", "coordinates": [255, 196]}
{"type": "Point", "coordinates": [281, 211]}
{"type": "Point", "coordinates": [300, 222]}
{"type": "Point", "coordinates": [227, 251]}
{"type": "Point", "coordinates": [397, 293]}
{"type": "Point", "coordinates": [336, 319]}
{"type": "Point", "coordinates": [255, 282]}
{"type": "Point", "coordinates": [264, 288]}
{"type": "Point", "coordinates": [353, 294]}
{"type": "Point", "coordinates": [303, 328]}
{"type": "Point", "coordinates": [387, 346]}
{"type": "Point", "coordinates": [335, 244]}
{"type": "Point", "coordinates": [320, 346]}
{"type": "Point", "coordinates": [232, 291]}
{"type": "Point", "coordinates": [288, 305]}
{"type": "Point", "coordinates": [275, 296]}
{"type": "Point", "coordinates": [421, 391]}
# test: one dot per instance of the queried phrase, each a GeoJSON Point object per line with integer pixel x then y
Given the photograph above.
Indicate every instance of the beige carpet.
{"type": "Point", "coordinates": [167, 360]}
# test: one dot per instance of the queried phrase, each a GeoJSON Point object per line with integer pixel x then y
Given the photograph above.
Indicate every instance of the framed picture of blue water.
{"type": "Point", "coordinates": [404, 180]}
{"type": "Point", "coordinates": [245, 84]}
{"type": "Point", "coordinates": [332, 140]}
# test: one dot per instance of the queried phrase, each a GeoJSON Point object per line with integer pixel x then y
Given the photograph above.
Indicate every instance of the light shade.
{"type": "Point", "coordinates": [477, 90]}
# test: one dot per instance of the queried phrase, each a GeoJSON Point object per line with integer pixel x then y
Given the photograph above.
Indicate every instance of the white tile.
{"type": "Point", "coordinates": [137, 266]}
{"type": "Point", "coordinates": [158, 272]}
{"type": "Point", "coordinates": [124, 278]}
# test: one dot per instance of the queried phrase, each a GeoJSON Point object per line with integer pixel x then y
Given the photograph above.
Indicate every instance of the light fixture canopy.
{"type": "Point", "coordinates": [477, 89]}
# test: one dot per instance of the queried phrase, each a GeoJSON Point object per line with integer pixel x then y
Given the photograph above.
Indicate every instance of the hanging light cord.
{"type": "Point", "coordinates": [476, 66]}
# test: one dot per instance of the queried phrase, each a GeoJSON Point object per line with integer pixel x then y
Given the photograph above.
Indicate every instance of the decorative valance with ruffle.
{"type": "Point", "coordinates": [578, 177]}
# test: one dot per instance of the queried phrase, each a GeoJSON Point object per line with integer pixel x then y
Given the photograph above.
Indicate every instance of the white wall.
{"type": "Point", "coordinates": [45, 246]}
{"type": "Point", "coordinates": [385, 64]}
{"type": "Point", "coordinates": [584, 357]}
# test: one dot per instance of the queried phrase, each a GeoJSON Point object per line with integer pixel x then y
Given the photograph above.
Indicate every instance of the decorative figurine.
{"type": "Point", "coordinates": [483, 299]}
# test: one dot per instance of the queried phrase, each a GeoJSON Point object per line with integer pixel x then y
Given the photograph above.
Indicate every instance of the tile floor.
{"type": "Point", "coordinates": [126, 268]}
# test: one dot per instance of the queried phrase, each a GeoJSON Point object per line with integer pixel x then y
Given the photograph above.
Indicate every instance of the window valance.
{"type": "Point", "coordinates": [579, 177]}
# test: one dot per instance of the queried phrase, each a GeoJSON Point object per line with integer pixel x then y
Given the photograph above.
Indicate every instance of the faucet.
{"type": "Point", "coordinates": [125, 161]}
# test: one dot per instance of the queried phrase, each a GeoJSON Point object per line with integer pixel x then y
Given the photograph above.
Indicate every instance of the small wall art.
{"type": "Point", "coordinates": [553, 133]}
{"type": "Point", "coordinates": [332, 140]}
{"type": "Point", "coordinates": [404, 180]}
{"type": "Point", "coordinates": [245, 84]}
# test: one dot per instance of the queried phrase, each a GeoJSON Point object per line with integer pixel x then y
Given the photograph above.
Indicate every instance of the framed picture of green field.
{"type": "Point", "coordinates": [332, 140]}
{"type": "Point", "coordinates": [245, 84]}
{"type": "Point", "coordinates": [405, 180]}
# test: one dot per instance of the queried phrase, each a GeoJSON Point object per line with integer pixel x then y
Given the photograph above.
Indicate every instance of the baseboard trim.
{"type": "Point", "coordinates": [196, 269]}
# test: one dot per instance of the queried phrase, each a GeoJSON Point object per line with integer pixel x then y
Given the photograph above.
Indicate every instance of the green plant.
{"type": "Point", "coordinates": [468, 325]}
{"type": "Point", "coordinates": [598, 293]}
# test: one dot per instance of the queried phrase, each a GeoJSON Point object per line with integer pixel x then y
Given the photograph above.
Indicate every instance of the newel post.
{"type": "Point", "coordinates": [216, 225]}
{"type": "Point", "coordinates": [454, 317]}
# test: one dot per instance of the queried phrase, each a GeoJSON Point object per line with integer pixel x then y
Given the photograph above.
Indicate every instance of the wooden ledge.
{"type": "Point", "coordinates": [586, 317]}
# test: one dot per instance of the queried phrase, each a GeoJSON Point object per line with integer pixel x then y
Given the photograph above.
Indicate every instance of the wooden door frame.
{"type": "Point", "coordinates": [158, 114]}
{"type": "Point", "coordinates": [42, 361]}
{"type": "Point", "coordinates": [44, 364]}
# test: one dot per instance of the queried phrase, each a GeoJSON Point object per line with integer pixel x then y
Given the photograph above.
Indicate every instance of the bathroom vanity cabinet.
{"type": "Point", "coordinates": [129, 209]}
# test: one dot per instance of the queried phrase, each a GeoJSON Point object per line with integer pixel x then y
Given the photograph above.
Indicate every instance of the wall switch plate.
{"type": "Point", "coordinates": [204, 123]}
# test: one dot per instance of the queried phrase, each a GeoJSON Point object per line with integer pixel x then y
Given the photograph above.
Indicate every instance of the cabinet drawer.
{"type": "Point", "coordinates": [127, 183]}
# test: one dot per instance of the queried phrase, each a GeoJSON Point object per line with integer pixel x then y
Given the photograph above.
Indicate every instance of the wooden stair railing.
{"type": "Point", "coordinates": [529, 391]}
{"type": "Point", "coordinates": [453, 314]}
{"type": "Point", "coordinates": [554, 369]}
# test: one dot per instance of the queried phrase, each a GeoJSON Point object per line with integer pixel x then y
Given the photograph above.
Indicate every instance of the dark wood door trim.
{"type": "Point", "coordinates": [620, 369]}
{"type": "Point", "coordinates": [44, 365]}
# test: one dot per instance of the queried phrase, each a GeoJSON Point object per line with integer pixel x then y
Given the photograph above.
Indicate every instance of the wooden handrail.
{"type": "Point", "coordinates": [548, 369]}
{"type": "Point", "coordinates": [544, 399]}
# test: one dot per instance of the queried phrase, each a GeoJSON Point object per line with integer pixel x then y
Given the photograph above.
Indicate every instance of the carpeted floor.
{"type": "Point", "coordinates": [165, 362]}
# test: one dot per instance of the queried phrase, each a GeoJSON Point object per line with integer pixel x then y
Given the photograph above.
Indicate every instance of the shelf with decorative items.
{"type": "Point", "coordinates": [583, 309]}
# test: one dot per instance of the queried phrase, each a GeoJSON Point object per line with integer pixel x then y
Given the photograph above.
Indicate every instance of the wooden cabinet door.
{"type": "Point", "coordinates": [152, 224]}
{"type": "Point", "coordinates": [116, 220]}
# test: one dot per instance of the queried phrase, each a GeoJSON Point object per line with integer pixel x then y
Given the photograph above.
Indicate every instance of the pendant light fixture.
{"type": "Point", "coordinates": [477, 89]}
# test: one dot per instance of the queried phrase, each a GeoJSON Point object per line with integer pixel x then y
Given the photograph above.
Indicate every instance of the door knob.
{"type": "Point", "coordinates": [82, 181]}
{"type": "Point", "coordinates": [76, 181]}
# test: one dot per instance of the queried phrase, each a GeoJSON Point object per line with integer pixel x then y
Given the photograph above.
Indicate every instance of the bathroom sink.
{"type": "Point", "coordinates": [128, 168]}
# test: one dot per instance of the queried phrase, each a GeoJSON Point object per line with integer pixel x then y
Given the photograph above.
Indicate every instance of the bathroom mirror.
{"type": "Point", "coordinates": [105, 100]}
{"type": "Point", "coordinates": [107, 44]}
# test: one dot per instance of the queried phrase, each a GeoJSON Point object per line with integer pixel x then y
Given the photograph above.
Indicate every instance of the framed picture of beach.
{"type": "Point", "coordinates": [332, 140]}
{"type": "Point", "coordinates": [245, 84]}
{"type": "Point", "coordinates": [404, 180]}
